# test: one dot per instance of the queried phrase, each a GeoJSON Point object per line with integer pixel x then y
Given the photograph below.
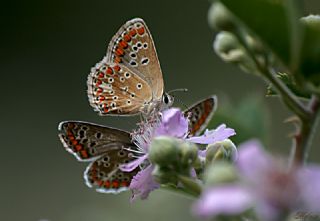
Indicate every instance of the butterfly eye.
{"type": "Point", "coordinates": [166, 99]}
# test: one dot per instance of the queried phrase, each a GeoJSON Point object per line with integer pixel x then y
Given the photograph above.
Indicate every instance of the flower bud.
{"type": "Point", "coordinates": [229, 49]}
{"type": "Point", "coordinates": [220, 18]}
{"type": "Point", "coordinates": [189, 153]}
{"type": "Point", "coordinates": [164, 150]}
{"type": "Point", "coordinates": [164, 175]}
{"type": "Point", "coordinates": [220, 173]}
{"type": "Point", "coordinates": [222, 150]}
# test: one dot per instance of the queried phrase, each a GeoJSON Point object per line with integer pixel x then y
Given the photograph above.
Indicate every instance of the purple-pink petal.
{"type": "Point", "coordinates": [212, 136]}
{"type": "Point", "coordinates": [308, 179]}
{"type": "Point", "coordinates": [173, 124]}
{"type": "Point", "coordinates": [133, 164]}
{"type": "Point", "coordinates": [143, 183]}
{"type": "Point", "coordinates": [253, 161]}
{"type": "Point", "coordinates": [227, 200]}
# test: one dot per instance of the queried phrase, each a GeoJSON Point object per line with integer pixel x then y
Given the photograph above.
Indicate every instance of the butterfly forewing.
{"type": "Point", "coordinates": [200, 115]}
{"type": "Point", "coordinates": [133, 47]}
{"type": "Point", "coordinates": [114, 89]}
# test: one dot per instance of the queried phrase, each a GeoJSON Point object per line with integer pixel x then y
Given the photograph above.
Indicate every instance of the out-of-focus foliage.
{"type": "Point", "coordinates": [249, 118]}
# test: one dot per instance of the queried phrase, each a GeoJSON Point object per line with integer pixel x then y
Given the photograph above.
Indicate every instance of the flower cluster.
{"type": "Point", "coordinates": [171, 123]}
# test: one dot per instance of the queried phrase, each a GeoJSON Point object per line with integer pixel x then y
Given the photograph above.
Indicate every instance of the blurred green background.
{"type": "Point", "coordinates": [47, 50]}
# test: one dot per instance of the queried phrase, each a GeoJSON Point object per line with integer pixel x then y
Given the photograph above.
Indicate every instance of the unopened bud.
{"type": "Point", "coordinates": [164, 175]}
{"type": "Point", "coordinates": [220, 173]}
{"type": "Point", "coordinates": [220, 18]}
{"type": "Point", "coordinates": [164, 150]}
{"type": "Point", "coordinates": [222, 150]}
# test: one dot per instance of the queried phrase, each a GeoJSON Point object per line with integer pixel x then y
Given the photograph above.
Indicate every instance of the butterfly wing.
{"type": "Point", "coordinates": [200, 115]}
{"type": "Point", "coordinates": [113, 89]}
{"type": "Point", "coordinates": [106, 148]}
{"type": "Point", "coordinates": [104, 174]}
{"type": "Point", "coordinates": [133, 47]}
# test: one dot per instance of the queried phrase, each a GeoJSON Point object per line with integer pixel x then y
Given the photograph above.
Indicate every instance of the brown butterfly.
{"type": "Point", "coordinates": [128, 80]}
{"type": "Point", "coordinates": [107, 148]}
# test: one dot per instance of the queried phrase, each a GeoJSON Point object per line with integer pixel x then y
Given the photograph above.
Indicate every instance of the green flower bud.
{"type": "Point", "coordinates": [229, 49]}
{"type": "Point", "coordinates": [189, 153]}
{"type": "Point", "coordinates": [164, 175]}
{"type": "Point", "coordinates": [220, 18]}
{"type": "Point", "coordinates": [222, 150]}
{"type": "Point", "coordinates": [164, 151]}
{"type": "Point", "coordinates": [220, 173]}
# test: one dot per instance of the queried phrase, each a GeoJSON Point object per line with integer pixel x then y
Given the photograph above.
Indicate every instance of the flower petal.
{"type": "Point", "coordinates": [212, 136]}
{"type": "Point", "coordinates": [173, 124]}
{"type": "Point", "coordinates": [133, 164]}
{"type": "Point", "coordinates": [253, 161]}
{"type": "Point", "coordinates": [309, 182]}
{"type": "Point", "coordinates": [227, 200]}
{"type": "Point", "coordinates": [143, 183]}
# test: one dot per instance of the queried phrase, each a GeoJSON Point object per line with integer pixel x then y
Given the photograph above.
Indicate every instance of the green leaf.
{"type": "Point", "coordinates": [310, 63]}
{"type": "Point", "coordinates": [291, 84]}
{"type": "Point", "coordinates": [275, 22]}
{"type": "Point", "coordinates": [249, 118]}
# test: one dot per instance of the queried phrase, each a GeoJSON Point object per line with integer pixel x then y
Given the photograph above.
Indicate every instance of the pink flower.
{"type": "Point", "coordinates": [170, 123]}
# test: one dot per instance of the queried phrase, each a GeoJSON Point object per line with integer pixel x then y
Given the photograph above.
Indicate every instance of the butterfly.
{"type": "Point", "coordinates": [107, 148]}
{"type": "Point", "coordinates": [128, 80]}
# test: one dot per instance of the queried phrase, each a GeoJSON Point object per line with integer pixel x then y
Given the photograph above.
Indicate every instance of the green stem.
{"type": "Point", "coordinates": [294, 104]}
{"type": "Point", "coordinates": [305, 133]}
{"type": "Point", "coordinates": [190, 184]}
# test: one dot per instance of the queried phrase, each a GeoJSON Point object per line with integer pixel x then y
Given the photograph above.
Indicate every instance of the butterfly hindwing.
{"type": "Point", "coordinates": [133, 47]}
{"type": "Point", "coordinates": [113, 89]}
{"type": "Point", "coordinates": [200, 115]}
{"type": "Point", "coordinates": [104, 174]}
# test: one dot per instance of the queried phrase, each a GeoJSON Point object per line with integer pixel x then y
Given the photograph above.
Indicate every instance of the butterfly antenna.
{"type": "Point", "coordinates": [178, 90]}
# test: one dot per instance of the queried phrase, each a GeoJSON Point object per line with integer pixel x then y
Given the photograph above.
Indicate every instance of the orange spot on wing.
{"type": "Point", "coordinates": [141, 30]}
{"type": "Point", "coordinates": [116, 68]}
{"type": "Point", "coordinates": [74, 142]}
{"type": "Point", "coordinates": [109, 71]}
{"type": "Point", "coordinates": [119, 52]}
{"type": "Point", "coordinates": [124, 183]}
{"type": "Point", "coordinates": [107, 184]}
{"type": "Point", "coordinates": [100, 75]}
{"type": "Point", "coordinates": [115, 184]}
{"type": "Point", "coordinates": [84, 153]}
{"type": "Point", "coordinates": [133, 32]}
{"type": "Point", "coordinates": [117, 60]}
{"type": "Point", "coordinates": [127, 38]}
{"type": "Point", "coordinates": [123, 44]}
{"type": "Point", "coordinates": [78, 147]}
{"type": "Point", "coordinates": [101, 98]}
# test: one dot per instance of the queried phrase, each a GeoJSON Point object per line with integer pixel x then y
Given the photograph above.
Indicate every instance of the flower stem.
{"type": "Point", "coordinates": [190, 184]}
{"type": "Point", "coordinates": [305, 133]}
